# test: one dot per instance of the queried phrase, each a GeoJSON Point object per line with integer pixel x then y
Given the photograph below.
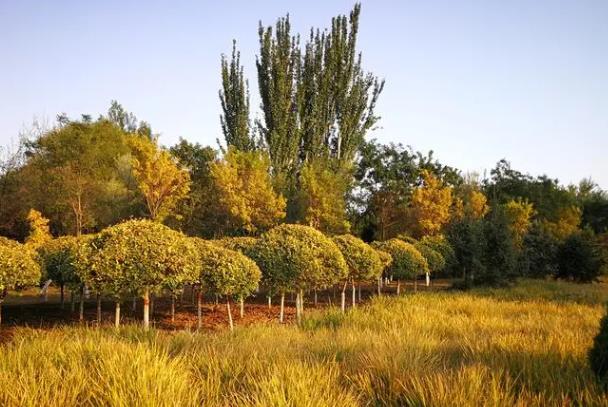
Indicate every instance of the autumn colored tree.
{"type": "Point", "coordinates": [162, 183]}
{"type": "Point", "coordinates": [58, 259]}
{"type": "Point", "coordinates": [430, 206]}
{"type": "Point", "coordinates": [295, 258]}
{"type": "Point", "coordinates": [321, 198]}
{"type": "Point", "coordinates": [227, 273]}
{"type": "Point", "coordinates": [39, 229]}
{"type": "Point", "coordinates": [18, 269]}
{"type": "Point", "coordinates": [519, 218]}
{"type": "Point", "coordinates": [139, 256]}
{"type": "Point", "coordinates": [364, 263]}
{"type": "Point", "coordinates": [244, 200]}
{"type": "Point", "coordinates": [567, 223]}
{"type": "Point", "coordinates": [407, 262]}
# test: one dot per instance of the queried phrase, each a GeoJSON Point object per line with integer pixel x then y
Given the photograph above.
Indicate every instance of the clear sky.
{"type": "Point", "coordinates": [475, 81]}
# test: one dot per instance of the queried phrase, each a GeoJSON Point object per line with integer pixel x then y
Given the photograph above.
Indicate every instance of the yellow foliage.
{"type": "Point", "coordinates": [244, 198]}
{"type": "Point", "coordinates": [472, 204]}
{"type": "Point", "coordinates": [162, 183]}
{"type": "Point", "coordinates": [430, 206]}
{"type": "Point", "coordinates": [39, 229]}
{"type": "Point", "coordinates": [519, 214]}
{"type": "Point", "coordinates": [568, 222]}
{"type": "Point", "coordinates": [322, 199]}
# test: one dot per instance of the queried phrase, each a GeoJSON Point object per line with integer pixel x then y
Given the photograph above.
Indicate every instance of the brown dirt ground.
{"type": "Point", "coordinates": [28, 309]}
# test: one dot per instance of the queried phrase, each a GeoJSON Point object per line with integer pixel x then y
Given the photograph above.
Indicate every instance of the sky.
{"type": "Point", "coordinates": [474, 81]}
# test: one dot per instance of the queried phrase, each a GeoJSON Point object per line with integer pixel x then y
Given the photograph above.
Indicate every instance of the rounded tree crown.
{"type": "Point", "coordinates": [18, 267]}
{"type": "Point", "coordinates": [407, 260]}
{"type": "Point", "coordinates": [364, 263]}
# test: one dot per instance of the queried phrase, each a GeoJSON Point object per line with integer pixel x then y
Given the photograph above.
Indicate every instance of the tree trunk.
{"type": "Point", "coordinates": [282, 313]}
{"type": "Point", "coordinates": [117, 314]}
{"type": "Point", "coordinates": [229, 314]}
{"type": "Point", "coordinates": [199, 309]}
{"type": "Point", "coordinates": [269, 302]}
{"type": "Point", "coordinates": [398, 287]}
{"type": "Point", "coordinates": [354, 294]}
{"type": "Point", "coordinates": [62, 290]}
{"type": "Point", "coordinates": [380, 286]}
{"type": "Point", "coordinates": [428, 279]}
{"type": "Point", "coordinates": [316, 299]}
{"type": "Point", "coordinates": [172, 308]}
{"type": "Point", "coordinates": [81, 315]}
{"type": "Point", "coordinates": [343, 298]}
{"type": "Point", "coordinates": [242, 310]}
{"type": "Point", "coordinates": [72, 301]}
{"type": "Point", "coordinates": [301, 303]}
{"type": "Point", "coordinates": [98, 310]}
{"type": "Point", "coordinates": [359, 288]}
{"type": "Point", "coordinates": [146, 298]}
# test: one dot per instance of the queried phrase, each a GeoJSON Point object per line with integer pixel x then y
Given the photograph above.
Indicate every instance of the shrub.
{"type": "Point", "coordinates": [18, 269]}
{"type": "Point", "coordinates": [579, 259]}
{"type": "Point", "coordinates": [407, 262]}
{"type": "Point", "coordinates": [440, 244]}
{"type": "Point", "coordinates": [434, 259]}
{"type": "Point", "coordinates": [241, 244]}
{"type": "Point", "coordinates": [598, 355]}
{"type": "Point", "coordinates": [138, 256]}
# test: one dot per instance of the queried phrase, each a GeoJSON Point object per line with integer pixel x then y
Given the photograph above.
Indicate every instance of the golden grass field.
{"type": "Point", "coordinates": [525, 346]}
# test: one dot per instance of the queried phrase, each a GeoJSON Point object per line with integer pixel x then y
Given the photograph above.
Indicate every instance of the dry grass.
{"type": "Point", "coordinates": [523, 346]}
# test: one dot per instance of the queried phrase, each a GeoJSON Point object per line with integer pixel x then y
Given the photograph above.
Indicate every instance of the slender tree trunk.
{"type": "Point", "coordinates": [398, 287]}
{"type": "Point", "coordinates": [72, 301]}
{"type": "Point", "coordinates": [380, 286]}
{"type": "Point", "coordinates": [282, 313]}
{"type": "Point", "coordinates": [354, 294]}
{"type": "Point", "coordinates": [62, 290]}
{"type": "Point", "coordinates": [301, 303]}
{"type": "Point", "coordinates": [98, 310]}
{"type": "Point", "coordinates": [316, 299]}
{"type": "Point", "coordinates": [269, 302]}
{"type": "Point", "coordinates": [146, 298]}
{"type": "Point", "coordinates": [343, 298]}
{"type": "Point", "coordinates": [172, 308]}
{"type": "Point", "coordinates": [117, 314]}
{"type": "Point", "coordinates": [229, 314]}
{"type": "Point", "coordinates": [242, 310]}
{"type": "Point", "coordinates": [199, 309]}
{"type": "Point", "coordinates": [428, 279]}
{"type": "Point", "coordinates": [359, 288]}
{"type": "Point", "coordinates": [81, 315]}
{"type": "Point", "coordinates": [329, 299]}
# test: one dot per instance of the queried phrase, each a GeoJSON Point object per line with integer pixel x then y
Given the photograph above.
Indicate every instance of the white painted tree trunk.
{"type": "Point", "coordinates": [242, 310]}
{"type": "Point", "coordinates": [428, 279]}
{"type": "Point", "coordinates": [354, 292]}
{"type": "Point", "coordinates": [146, 298]}
{"type": "Point", "coordinates": [229, 315]}
{"type": "Point", "coordinates": [117, 314]}
{"type": "Point", "coordinates": [172, 308]}
{"type": "Point", "coordinates": [398, 287]}
{"type": "Point", "coordinates": [282, 313]}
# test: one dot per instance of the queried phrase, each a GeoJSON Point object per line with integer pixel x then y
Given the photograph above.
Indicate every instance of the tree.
{"type": "Point", "coordinates": [139, 256]}
{"type": "Point", "coordinates": [598, 354]}
{"type": "Point", "coordinates": [242, 244]}
{"type": "Point", "coordinates": [407, 262]}
{"type": "Point", "coordinates": [321, 198]}
{"type": "Point", "coordinates": [500, 250]}
{"type": "Point", "coordinates": [538, 258]}
{"type": "Point", "coordinates": [364, 263]}
{"type": "Point", "coordinates": [227, 273]}
{"type": "Point", "coordinates": [234, 97]}
{"type": "Point", "coordinates": [18, 269]}
{"type": "Point", "coordinates": [39, 229]}
{"type": "Point", "coordinates": [433, 258]}
{"type": "Point", "coordinates": [294, 258]}
{"type": "Point", "coordinates": [567, 223]}
{"type": "Point", "coordinates": [430, 206]}
{"type": "Point", "coordinates": [578, 258]}
{"type": "Point", "coordinates": [59, 261]}
{"type": "Point", "coordinates": [244, 200]}
{"type": "Point", "coordinates": [161, 182]}
{"type": "Point", "coordinates": [466, 238]}
{"type": "Point", "coordinates": [440, 244]}
{"type": "Point", "coordinates": [518, 215]}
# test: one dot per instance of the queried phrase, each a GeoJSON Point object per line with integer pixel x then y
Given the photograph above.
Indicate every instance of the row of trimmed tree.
{"type": "Point", "coordinates": [139, 258]}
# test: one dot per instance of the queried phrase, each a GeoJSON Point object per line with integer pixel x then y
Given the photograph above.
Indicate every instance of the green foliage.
{"type": "Point", "coordinates": [364, 262]}
{"type": "Point", "coordinates": [579, 259]}
{"type": "Point", "coordinates": [242, 244]}
{"type": "Point", "coordinates": [440, 244]}
{"type": "Point", "coordinates": [234, 97]}
{"type": "Point", "coordinates": [408, 262]}
{"type": "Point", "coordinates": [226, 272]}
{"type": "Point", "coordinates": [136, 256]}
{"type": "Point", "coordinates": [18, 269]}
{"type": "Point", "coordinates": [499, 251]}
{"type": "Point", "coordinates": [59, 258]}
{"type": "Point", "coordinates": [466, 238]}
{"type": "Point", "coordinates": [538, 258]}
{"type": "Point", "coordinates": [434, 259]}
{"type": "Point", "coordinates": [598, 354]}
{"type": "Point", "coordinates": [295, 257]}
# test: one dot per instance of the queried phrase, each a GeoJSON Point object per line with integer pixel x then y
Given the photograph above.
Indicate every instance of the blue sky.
{"type": "Point", "coordinates": [475, 81]}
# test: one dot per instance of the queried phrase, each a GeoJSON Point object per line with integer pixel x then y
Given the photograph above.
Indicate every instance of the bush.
{"type": "Point", "coordinates": [434, 259]}
{"type": "Point", "coordinates": [598, 355]}
{"type": "Point", "coordinates": [440, 244]}
{"type": "Point", "coordinates": [296, 257]}
{"type": "Point", "coordinates": [407, 262]}
{"type": "Point", "coordinates": [240, 244]}
{"type": "Point", "coordinates": [578, 258]}
{"type": "Point", "coordinates": [363, 261]}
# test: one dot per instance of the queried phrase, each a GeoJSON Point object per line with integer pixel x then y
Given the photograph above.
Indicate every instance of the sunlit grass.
{"type": "Point", "coordinates": [524, 346]}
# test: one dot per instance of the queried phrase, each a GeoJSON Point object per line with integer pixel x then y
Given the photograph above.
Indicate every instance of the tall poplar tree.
{"type": "Point", "coordinates": [234, 97]}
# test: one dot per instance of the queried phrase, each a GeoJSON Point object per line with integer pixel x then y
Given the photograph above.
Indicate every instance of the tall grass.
{"type": "Point", "coordinates": [520, 346]}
